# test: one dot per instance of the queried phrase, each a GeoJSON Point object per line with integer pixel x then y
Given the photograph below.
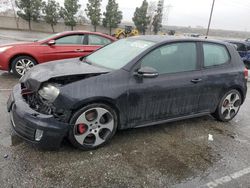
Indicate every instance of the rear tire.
{"type": "Point", "coordinates": [229, 106]}
{"type": "Point", "coordinates": [92, 126]}
{"type": "Point", "coordinates": [21, 64]}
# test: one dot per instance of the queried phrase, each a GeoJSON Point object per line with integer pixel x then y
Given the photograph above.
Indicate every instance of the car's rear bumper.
{"type": "Point", "coordinates": [27, 121]}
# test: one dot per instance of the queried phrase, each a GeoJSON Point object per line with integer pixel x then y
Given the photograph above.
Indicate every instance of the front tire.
{"type": "Point", "coordinates": [229, 106]}
{"type": "Point", "coordinates": [21, 64]}
{"type": "Point", "coordinates": [92, 126]}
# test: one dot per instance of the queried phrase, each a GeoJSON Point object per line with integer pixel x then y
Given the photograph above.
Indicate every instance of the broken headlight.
{"type": "Point", "coordinates": [49, 92]}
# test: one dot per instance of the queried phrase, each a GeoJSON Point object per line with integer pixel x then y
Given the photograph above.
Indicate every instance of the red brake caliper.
{"type": "Point", "coordinates": [81, 128]}
{"type": "Point", "coordinates": [226, 102]}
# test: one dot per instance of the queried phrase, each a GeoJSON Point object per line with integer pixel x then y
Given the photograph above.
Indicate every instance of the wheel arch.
{"type": "Point", "coordinates": [217, 113]}
{"type": "Point", "coordinates": [104, 100]}
{"type": "Point", "coordinates": [238, 88]}
{"type": "Point", "coordinates": [17, 55]}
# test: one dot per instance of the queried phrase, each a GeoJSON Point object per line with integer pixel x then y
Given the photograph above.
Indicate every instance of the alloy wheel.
{"type": "Point", "coordinates": [93, 127]}
{"type": "Point", "coordinates": [230, 105]}
{"type": "Point", "coordinates": [23, 65]}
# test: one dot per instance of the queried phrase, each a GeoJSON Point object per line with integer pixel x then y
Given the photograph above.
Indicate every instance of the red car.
{"type": "Point", "coordinates": [20, 57]}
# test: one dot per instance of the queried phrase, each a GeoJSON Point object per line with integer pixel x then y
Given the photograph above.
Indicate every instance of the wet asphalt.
{"type": "Point", "coordinates": [200, 152]}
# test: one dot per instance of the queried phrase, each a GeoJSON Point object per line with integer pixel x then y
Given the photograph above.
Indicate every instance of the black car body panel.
{"type": "Point", "coordinates": [218, 80]}
{"type": "Point", "coordinates": [138, 101]}
{"type": "Point", "coordinates": [26, 121]}
{"type": "Point", "coordinates": [57, 69]}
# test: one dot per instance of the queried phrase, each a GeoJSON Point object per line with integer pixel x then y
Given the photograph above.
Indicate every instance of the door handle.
{"type": "Point", "coordinates": [196, 80]}
{"type": "Point", "coordinates": [79, 50]}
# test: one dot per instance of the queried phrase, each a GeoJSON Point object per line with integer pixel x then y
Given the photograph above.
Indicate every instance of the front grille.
{"type": "Point", "coordinates": [23, 129]}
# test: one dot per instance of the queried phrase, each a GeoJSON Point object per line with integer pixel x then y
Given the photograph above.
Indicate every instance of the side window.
{"type": "Point", "coordinates": [98, 40]}
{"type": "Point", "coordinates": [70, 40]}
{"type": "Point", "coordinates": [172, 58]}
{"type": "Point", "coordinates": [215, 54]}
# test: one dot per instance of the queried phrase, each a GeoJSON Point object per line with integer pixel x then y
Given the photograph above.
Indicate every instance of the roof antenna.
{"type": "Point", "coordinates": [210, 18]}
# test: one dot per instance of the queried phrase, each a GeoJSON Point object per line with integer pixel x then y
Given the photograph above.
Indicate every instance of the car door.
{"type": "Point", "coordinates": [217, 73]}
{"type": "Point", "coordinates": [174, 93]}
{"type": "Point", "coordinates": [69, 46]}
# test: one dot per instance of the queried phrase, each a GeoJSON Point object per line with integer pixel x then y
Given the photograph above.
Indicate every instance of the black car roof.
{"type": "Point", "coordinates": [238, 41]}
{"type": "Point", "coordinates": [165, 38]}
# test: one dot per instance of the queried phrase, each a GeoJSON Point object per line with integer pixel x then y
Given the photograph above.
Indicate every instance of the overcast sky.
{"type": "Point", "coordinates": [228, 14]}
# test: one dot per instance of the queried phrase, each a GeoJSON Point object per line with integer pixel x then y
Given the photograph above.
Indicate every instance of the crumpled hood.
{"type": "Point", "coordinates": [68, 67]}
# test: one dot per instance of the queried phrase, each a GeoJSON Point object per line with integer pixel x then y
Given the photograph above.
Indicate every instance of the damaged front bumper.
{"type": "Point", "coordinates": [39, 129]}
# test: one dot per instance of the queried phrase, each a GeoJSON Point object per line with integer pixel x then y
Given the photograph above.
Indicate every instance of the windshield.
{"type": "Point", "coordinates": [118, 54]}
{"type": "Point", "coordinates": [48, 37]}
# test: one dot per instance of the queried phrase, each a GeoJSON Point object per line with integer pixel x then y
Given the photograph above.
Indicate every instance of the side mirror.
{"type": "Point", "coordinates": [51, 42]}
{"type": "Point", "coordinates": [147, 72]}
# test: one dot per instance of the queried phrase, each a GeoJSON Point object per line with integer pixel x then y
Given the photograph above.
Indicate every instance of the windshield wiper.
{"type": "Point", "coordinates": [84, 59]}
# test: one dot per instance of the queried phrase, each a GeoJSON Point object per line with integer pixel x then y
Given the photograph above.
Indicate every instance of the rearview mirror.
{"type": "Point", "coordinates": [147, 72]}
{"type": "Point", "coordinates": [51, 42]}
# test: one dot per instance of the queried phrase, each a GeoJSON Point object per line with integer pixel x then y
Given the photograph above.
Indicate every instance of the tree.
{"type": "Point", "coordinates": [112, 16]}
{"type": "Point", "coordinates": [140, 19]}
{"type": "Point", "coordinates": [157, 20]}
{"type": "Point", "coordinates": [151, 13]}
{"type": "Point", "coordinates": [51, 10]}
{"type": "Point", "coordinates": [13, 7]}
{"type": "Point", "coordinates": [165, 13]}
{"type": "Point", "coordinates": [69, 11]}
{"type": "Point", "coordinates": [80, 18]}
{"type": "Point", "coordinates": [93, 12]}
{"type": "Point", "coordinates": [29, 10]}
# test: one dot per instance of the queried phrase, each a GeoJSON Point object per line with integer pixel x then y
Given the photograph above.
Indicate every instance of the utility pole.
{"type": "Point", "coordinates": [210, 18]}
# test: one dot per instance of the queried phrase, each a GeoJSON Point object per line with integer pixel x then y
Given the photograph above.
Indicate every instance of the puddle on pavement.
{"type": "Point", "coordinates": [225, 132]}
{"type": "Point", "coordinates": [175, 155]}
{"type": "Point", "coordinates": [12, 140]}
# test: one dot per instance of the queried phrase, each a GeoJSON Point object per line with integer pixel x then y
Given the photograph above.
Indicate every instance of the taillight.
{"type": "Point", "coordinates": [246, 73]}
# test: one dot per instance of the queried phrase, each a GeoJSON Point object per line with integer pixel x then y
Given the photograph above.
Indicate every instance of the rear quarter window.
{"type": "Point", "coordinates": [98, 40]}
{"type": "Point", "coordinates": [215, 54]}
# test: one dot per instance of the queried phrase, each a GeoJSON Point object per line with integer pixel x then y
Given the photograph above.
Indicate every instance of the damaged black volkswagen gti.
{"type": "Point", "coordinates": [133, 82]}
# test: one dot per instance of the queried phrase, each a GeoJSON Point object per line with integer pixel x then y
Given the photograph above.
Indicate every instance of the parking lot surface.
{"type": "Point", "coordinates": [200, 152]}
